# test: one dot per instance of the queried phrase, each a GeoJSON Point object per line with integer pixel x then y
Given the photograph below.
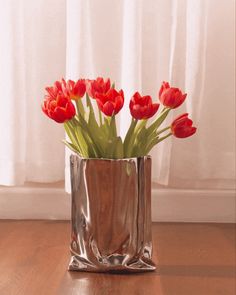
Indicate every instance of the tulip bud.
{"type": "Point", "coordinates": [171, 97]}
{"type": "Point", "coordinates": [182, 127]}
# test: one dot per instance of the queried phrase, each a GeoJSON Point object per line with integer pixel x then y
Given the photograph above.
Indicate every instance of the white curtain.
{"type": "Point", "coordinates": [32, 55]}
{"type": "Point", "coordinates": [137, 43]}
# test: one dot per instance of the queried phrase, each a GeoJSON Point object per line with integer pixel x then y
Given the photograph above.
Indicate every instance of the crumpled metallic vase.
{"type": "Point", "coordinates": [111, 215]}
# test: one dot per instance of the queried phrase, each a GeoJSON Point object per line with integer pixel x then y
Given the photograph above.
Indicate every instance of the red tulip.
{"type": "Point", "coordinates": [111, 102]}
{"type": "Point", "coordinates": [56, 88]}
{"type": "Point", "coordinates": [76, 90]}
{"type": "Point", "coordinates": [171, 97]}
{"type": "Point", "coordinates": [182, 126]}
{"type": "Point", "coordinates": [141, 107]}
{"type": "Point", "coordinates": [57, 105]}
{"type": "Point", "coordinates": [98, 86]}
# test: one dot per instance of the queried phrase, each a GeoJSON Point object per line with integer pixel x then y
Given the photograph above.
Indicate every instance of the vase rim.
{"type": "Point", "coordinates": [111, 160]}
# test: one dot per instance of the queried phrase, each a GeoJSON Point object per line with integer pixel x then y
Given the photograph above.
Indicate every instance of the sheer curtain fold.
{"type": "Point", "coordinates": [32, 55]}
{"type": "Point", "coordinates": [209, 157]}
{"type": "Point", "coordinates": [137, 43]}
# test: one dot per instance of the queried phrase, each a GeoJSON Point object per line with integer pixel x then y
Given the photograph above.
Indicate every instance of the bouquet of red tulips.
{"type": "Point", "coordinates": [94, 134]}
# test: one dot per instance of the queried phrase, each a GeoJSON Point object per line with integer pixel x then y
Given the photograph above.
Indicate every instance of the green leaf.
{"type": "Point", "coordinates": [70, 132]}
{"type": "Point", "coordinates": [84, 143]}
{"type": "Point", "coordinates": [95, 130]}
{"type": "Point", "coordinates": [140, 143]}
{"type": "Point", "coordinates": [71, 146]}
{"type": "Point", "coordinates": [81, 137]}
{"type": "Point", "coordinates": [115, 148]}
{"type": "Point", "coordinates": [100, 117]}
{"type": "Point", "coordinates": [90, 134]}
{"type": "Point", "coordinates": [160, 119]}
{"type": "Point", "coordinates": [113, 126]}
{"type": "Point", "coordinates": [91, 152]}
{"type": "Point", "coordinates": [105, 127]}
{"type": "Point", "coordinates": [119, 148]}
{"type": "Point", "coordinates": [137, 139]}
{"type": "Point", "coordinates": [129, 137]}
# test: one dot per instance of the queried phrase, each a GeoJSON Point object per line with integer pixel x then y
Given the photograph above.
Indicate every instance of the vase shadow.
{"type": "Point", "coordinates": [165, 279]}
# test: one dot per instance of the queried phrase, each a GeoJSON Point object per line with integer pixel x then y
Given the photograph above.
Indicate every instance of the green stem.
{"type": "Point", "coordinates": [141, 124]}
{"type": "Point", "coordinates": [100, 117]}
{"type": "Point", "coordinates": [80, 107]}
{"type": "Point", "coordinates": [162, 130]}
{"type": "Point", "coordinates": [158, 121]}
{"type": "Point", "coordinates": [165, 108]}
{"type": "Point", "coordinates": [164, 137]}
{"type": "Point", "coordinates": [155, 142]}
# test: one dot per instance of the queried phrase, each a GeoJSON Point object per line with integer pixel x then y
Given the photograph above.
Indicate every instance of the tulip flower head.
{"type": "Point", "coordinates": [76, 90]}
{"type": "Point", "coordinates": [57, 105]}
{"type": "Point", "coordinates": [57, 88]}
{"type": "Point", "coordinates": [182, 126]}
{"type": "Point", "coordinates": [142, 107]}
{"type": "Point", "coordinates": [93, 135]}
{"type": "Point", "coordinates": [171, 97]}
{"type": "Point", "coordinates": [111, 102]}
{"type": "Point", "coordinates": [98, 86]}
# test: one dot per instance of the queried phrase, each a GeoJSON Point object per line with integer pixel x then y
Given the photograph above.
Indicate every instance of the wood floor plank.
{"type": "Point", "coordinates": [192, 259]}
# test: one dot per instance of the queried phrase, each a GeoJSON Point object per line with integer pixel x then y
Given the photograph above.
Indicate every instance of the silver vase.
{"type": "Point", "coordinates": [111, 215]}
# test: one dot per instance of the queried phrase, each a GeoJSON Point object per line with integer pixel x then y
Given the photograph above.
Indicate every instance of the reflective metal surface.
{"type": "Point", "coordinates": [111, 215]}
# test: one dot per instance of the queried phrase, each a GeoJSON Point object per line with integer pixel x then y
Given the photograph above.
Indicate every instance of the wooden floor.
{"type": "Point", "coordinates": [192, 259]}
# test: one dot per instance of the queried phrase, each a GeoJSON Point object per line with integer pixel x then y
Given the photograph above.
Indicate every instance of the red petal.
{"type": "Point", "coordinates": [136, 97]}
{"type": "Point", "coordinates": [153, 109]}
{"type": "Point", "coordinates": [185, 115]}
{"type": "Point", "coordinates": [51, 92]}
{"type": "Point", "coordinates": [108, 108]}
{"type": "Point", "coordinates": [119, 104]}
{"type": "Point", "coordinates": [100, 105]}
{"type": "Point", "coordinates": [184, 132]}
{"type": "Point", "coordinates": [44, 108]}
{"type": "Point", "coordinates": [136, 112]}
{"type": "Point", "coordinates": [59, 115]}
{"type": "Point", "coordinates": [79, 88]}
{"type": "Point", "coordinates": [164, 86]}
{"type": "Point", "coordinates": [57, 85]}
{"type": "Point", "coordinates": [62, 100]}
{"type": "Point", "coordinates": [70, 110]}
{"type": "Point", "coordinates": [107, 83]}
